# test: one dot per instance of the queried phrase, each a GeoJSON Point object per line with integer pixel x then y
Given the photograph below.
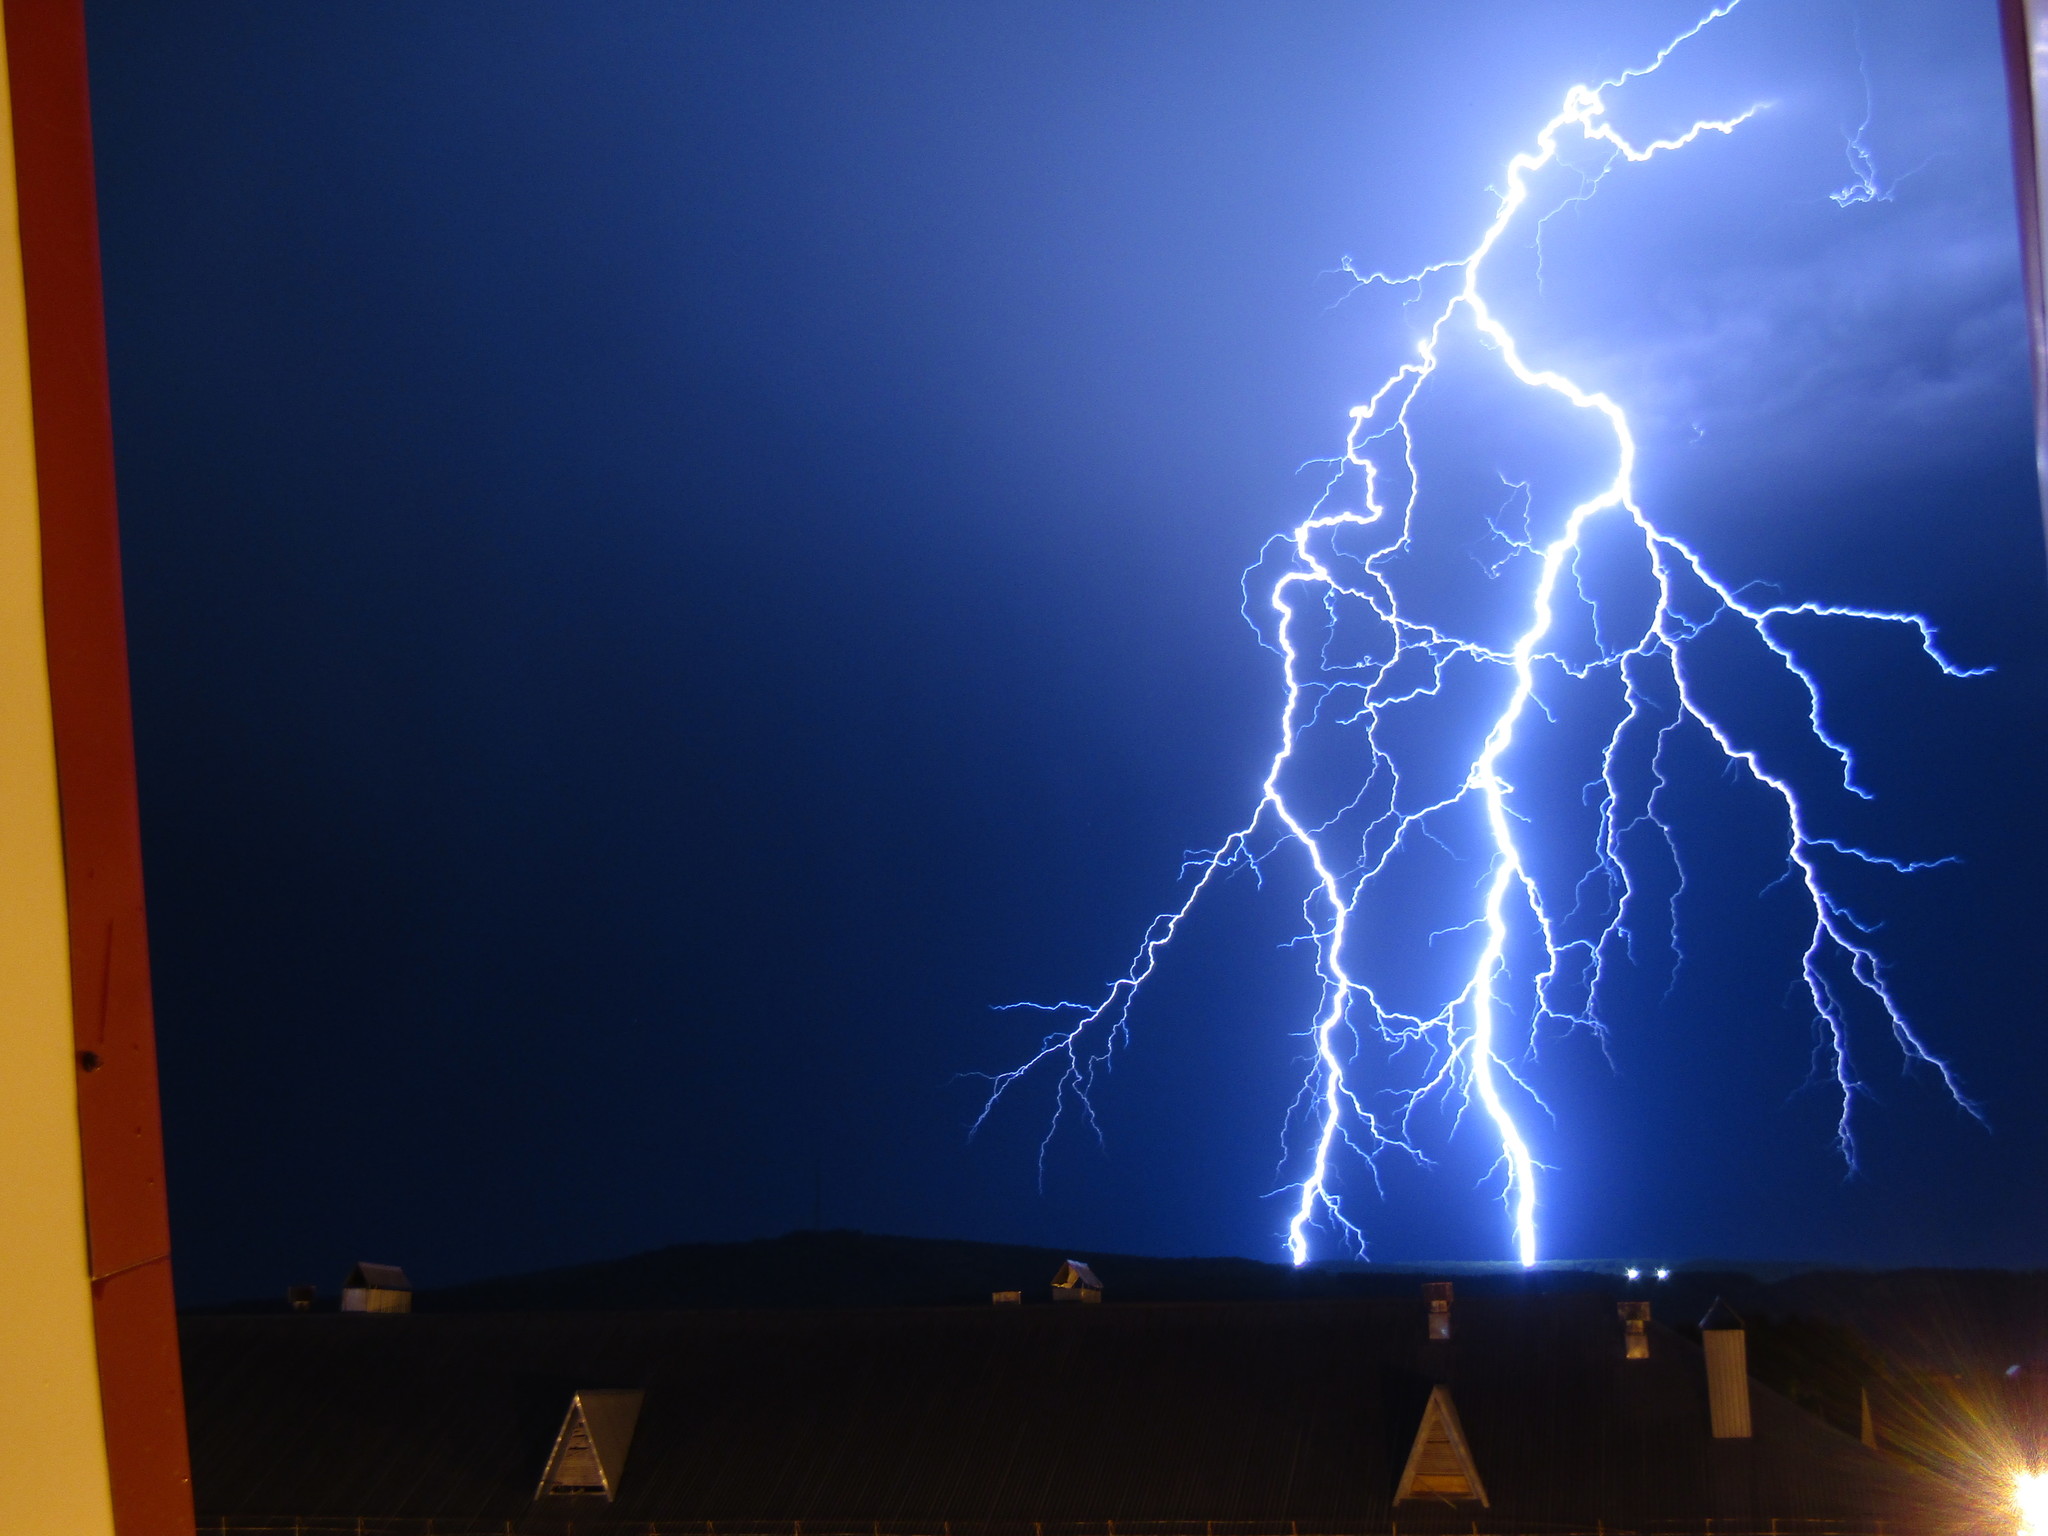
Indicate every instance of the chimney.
{"type": "Point", "coordinates": [1727, 1371]}
{"type": "Point", "coordinates": [1437, 1295]}
{"type": "Point", "coordinates": [1635, 1329]}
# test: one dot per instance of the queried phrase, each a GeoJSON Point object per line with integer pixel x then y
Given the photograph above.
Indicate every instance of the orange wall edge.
{"type": "Point", "coordinates": [127, 1219]}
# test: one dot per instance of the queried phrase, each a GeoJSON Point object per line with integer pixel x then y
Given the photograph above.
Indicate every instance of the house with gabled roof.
{"type": "Point", "coordinates": [1075, 1281]}
{"type": "Point", "coordinates": [376, 1288]}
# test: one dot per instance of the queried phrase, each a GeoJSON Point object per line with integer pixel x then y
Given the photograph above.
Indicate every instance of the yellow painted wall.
{"type": "Point", "coordinates": [53, 1467]}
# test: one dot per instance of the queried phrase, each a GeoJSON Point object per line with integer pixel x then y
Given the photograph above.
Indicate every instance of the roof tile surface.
{"type": "Point", "coordinates": [1281, 1414]}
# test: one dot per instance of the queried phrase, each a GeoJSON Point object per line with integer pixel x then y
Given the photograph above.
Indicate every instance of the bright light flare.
{"type": "Point", "coordinates": [1347, 570]}
{"type": "Point", "coordinates": [2030, 1502]}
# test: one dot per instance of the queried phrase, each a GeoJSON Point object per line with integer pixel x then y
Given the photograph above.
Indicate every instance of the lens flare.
{"type": "Point", "coordinates": [2030, 1502]}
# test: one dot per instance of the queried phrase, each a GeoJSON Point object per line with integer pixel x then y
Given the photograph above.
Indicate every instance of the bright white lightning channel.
{"type": "Point", "coordinates": [1339, 575]}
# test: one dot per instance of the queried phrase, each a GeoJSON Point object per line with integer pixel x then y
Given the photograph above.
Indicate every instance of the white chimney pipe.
{"type": "Point", "coordinates": [1727, 1349]}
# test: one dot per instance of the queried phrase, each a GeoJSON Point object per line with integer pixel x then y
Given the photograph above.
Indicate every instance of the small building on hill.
{"type": "Point", "coordinates": [1076, 1282]}
{"type": "Point", "coordinates": [1537, 1413]}
{"type": "Point", "coordinates": [376, 1288]}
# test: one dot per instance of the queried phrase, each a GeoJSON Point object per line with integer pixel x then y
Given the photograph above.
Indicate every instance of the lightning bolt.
{"type": "Point", "coordinates": [1863, 185]}
{"type": "Point", "coordinates": [1341, 571]}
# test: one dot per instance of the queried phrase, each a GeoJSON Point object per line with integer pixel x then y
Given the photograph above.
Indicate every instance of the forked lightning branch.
{"type": "Point", "coordinates": [1367, 662]}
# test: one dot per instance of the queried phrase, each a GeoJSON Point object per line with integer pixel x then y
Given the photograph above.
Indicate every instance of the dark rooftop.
{"type": "Point", "coordinates": [1275, 1416]}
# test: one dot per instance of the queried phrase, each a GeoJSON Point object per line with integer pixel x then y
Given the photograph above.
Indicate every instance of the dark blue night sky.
{"type": "Point", "coordinates": [678, 554]}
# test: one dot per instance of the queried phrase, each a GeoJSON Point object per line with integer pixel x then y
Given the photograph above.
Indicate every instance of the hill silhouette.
{"type": "Point", "coordinates": [1919, 1319]}
{"type": "Point", "coordinates": [861, 1269]}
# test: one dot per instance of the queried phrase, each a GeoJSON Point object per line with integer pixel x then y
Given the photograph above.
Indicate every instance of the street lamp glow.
{"type": "Point", "coordinates": [2030, 1501]}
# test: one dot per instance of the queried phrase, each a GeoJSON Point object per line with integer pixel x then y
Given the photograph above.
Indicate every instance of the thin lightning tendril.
{"type": "Point", "coordinates": [1864, 185]}
{"type": "Point", "coordinates": [1653, 674]}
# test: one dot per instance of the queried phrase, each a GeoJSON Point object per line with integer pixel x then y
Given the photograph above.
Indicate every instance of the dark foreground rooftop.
{"type": "Point", "coordinates": [1119, 1419]}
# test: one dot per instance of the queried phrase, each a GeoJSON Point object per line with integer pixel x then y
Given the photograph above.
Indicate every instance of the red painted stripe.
{"type": "Point", "coordinates": [127, 1222]}
{"type": "Point", "coordinates": [2020, 103]}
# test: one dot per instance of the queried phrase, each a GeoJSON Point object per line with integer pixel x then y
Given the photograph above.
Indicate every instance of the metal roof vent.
{"type": "Point", "coordinates": [1076, 1282]}
{"type": "Point", "coordinates": [1440, 1465]}
{"type": "Point", "coordinates": [590, 1448]}
{"type": "Point", "coordinates": [1436, 1294]}
{"type": "Point", "coordinates": [1635, 1328]}
{"type": "Point", "coordinates": [376, 1288]}
{"type": "Point", "coordinates": [1727, 1346]}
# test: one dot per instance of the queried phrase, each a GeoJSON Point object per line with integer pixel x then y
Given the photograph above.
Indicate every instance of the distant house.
{"type": "Point", "coordinates": [376, 1288]}
{"type": "Point", "coordinates": [1544, 1413]}
{"type": "Point", "coordinates": [1076, 1282]}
